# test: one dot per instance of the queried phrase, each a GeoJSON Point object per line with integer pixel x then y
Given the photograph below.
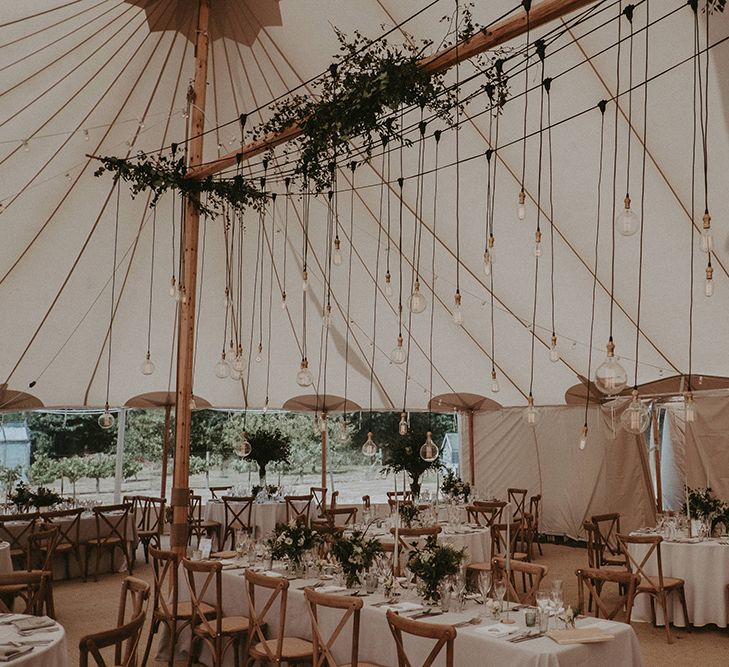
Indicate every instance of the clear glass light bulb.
{"type": "Point", "coordinates": [707, 240]}
{"type": "Point", "coordinates": [239, 364]}
{"type": "Point", "coordinates": [487, 262]}
{"type": "Point", "coordinates": [494, 383]}
{"type": "Point", "coordinates": [689, 408]}
{"type": "Point", "coordinates": [521, 206]}
{"type": "Point", "coordinates": [709, 282]}
{"type": "Point", "coordinates": [283, 301]}
{"type": "Point", "coordinates": [147, 366]}
{"type": "Point", "coordinates": [259, 354]}
{"type": "Point", "coordinates": [337, 256]}
{"type": "Point", "coordinates": [106, 419]}
{"type": "Point", "coordinates": [583, 437]}
{"type": "Point", "coordinates": [538, 243]}
{"type": "Point", "coordinates": [173, 287]}
{"type": "Point", "coordinates": [398, 355]}
{"type": "Point", "coordinates": [429, 450]}
{"type": "Point", "coordinates": [304, 377]}
{"type": "Point", "coordinates": [627, 221]}
{"type": "Point", "coordinates": [222, 368]}
{"type": "Point", "coordinates": [531, 415]}
{"type": "Point", "coordinates": [388, 284]}
{"type": "Point", "coordinates": [457, 311]}
{"type": "Point", "coordinates": [417, 301]}
{"type": "Point", "coordinates": [369, 448]}
{"type": "Point", "coordinates": [403, 425]}
{"type": "Point", "coordinates": [327, 318]}
{"type": "Point", "coordinates": [26, 145]}
{"type": "Point", "coordinates": [244, 447]}
{"type": "Point", "coordinates": [343, 431]}
{"type": "Point", "coordinates": [305, 284]}
{"type": "Point", "coordinates": [610, 376]}
{"type": "Point", "coordinates": [635, 417]}
{"type": "Point", "coordinates": [554, 355]}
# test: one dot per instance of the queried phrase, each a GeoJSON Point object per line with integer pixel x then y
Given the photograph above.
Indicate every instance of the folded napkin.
{"type": "Point", "coordinates": [330, 589]}
{"type": "Point", "coordinates": [404, 606]}
{"type": "Point", "coordinates": [9, 652]}
{"type": "Point", "coordinates": [499, 630]}
{"type": "Point", "coordinates": [33, 623]}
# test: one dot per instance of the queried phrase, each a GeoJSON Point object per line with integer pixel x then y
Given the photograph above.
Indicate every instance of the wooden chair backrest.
{"type": "Point", "coordinates": [607, 527]}
{"type": "Point", "coordinates": [607, 606]}
{"type": "Point", "coordinates": [278, 587]}
{"type": "Point", "coordinates": [238, 519]}
{"type": "Point", "coordinates": [36, 582]}
{"type": "Point", "coordinates": [395, 503]}
{"type": "Point", "coordinates": [151, 514]}
{"type": "Point", "coordinates": [166, 581]}
{"type": "Point", "coordinates": [498, 538]}
{"type": "Point", "coordinates": [319, 494]}
{"type": "Point", "coordinates": [633, 564]}
{"type": "Point", "coordinates": [409, 537]}
{"type": "Point", "coordinates": [112, 522]}
{"type": "Point", "coordinates": [533, 573]}
{"type": "Point", "coordinates": [518, 497]}
{"type": "Point", "coordinates": [485, 514]}
{"type": "Point", "coordinates": [443, 634]}
{"type": "Point", "coordinates": [342, 516]}
{"type": "Point", "coordinates": [366, 503]}
{"type": "Point", "coordinates": [194, 510]}
{"type": "Point", "coordinates": [42, 549]}
{"type": "Point", "coordinates": [535, 509]}
{"type": "Point", "coordinates": [214, 491]}
{"type": "Point", "coordinates": [333, 500]}
{"type": "Point", "coordinates": [68, 523]}
{"type": "Point", "coordinates": [590, 530]}
{"type": "Point", "coordinates": [136, 592]}
{"type": "Point", "coordinates": [17, 528]}
{"type": "Point", "coordinates": [208, 591]}
{"type": "Point", "coordinates": [350, 608]}
{"type": "Point", "coordinates": [129, 633]}
{"type": "Point", "coordinates": [298, 508]}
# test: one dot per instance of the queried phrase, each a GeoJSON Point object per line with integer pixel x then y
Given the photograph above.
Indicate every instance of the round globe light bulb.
{"type": "Point", "coordinates": [417, 301]}
{"type": "Point", "coordinates": [244, 447]}
{"type": "Point", "coordinates": [304, 377]}
{"type": "Point", "coordinates": [222, 368]}
{"type": "Point", "coordinates": [398, 355]}
{"type": "Point", "coordinates": [369, 448]}
{"type": "Point", "coordinates": [610, 376]}
{"type": "Point", "coordinates": [106, 420]}
{"type": "Point", "coordinates": [628, 222]}
{"type": "Point", "coordinates": [429, 450]}
{"type": "Point", "coordinates": [636, 417]}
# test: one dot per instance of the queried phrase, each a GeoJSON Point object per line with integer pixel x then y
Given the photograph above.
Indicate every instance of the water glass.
{"type": "Point", "coordinates": [484, 585]}
{"type": "Point", "coordinates": [500, 592]}
{"type": "Point", "coordinates": [557, 595]}
{"type": "Point", "coordinates": [444, 591]}
{"type": "Point", "coordinates": [543, 620]}
{"type": "Point", "coordinates": [530, 617]}
{"type": "Point", "coordinates": [543, 599]}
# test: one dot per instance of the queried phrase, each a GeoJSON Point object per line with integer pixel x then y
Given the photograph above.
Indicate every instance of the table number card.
{"type": "Point", "coordinates": [206, 545]}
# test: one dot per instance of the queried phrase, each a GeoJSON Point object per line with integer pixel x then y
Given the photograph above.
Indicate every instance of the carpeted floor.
{"type": "Point", "coordinates": [84, 608]}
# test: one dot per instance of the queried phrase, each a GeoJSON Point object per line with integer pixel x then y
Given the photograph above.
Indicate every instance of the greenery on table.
{"type": "Point", "coordinates": [432, 562]}
{"type": "Point", "coordinates": [356, 554]}
{"type": "Point", "coordinates": [291, 541]}
{"type": "Point", "coordinates": [703, 504]}
{"type": "Point", "coordinates": [409, 514]}
{"type": "Point", "coordinates": [454, 487]}
{"type": "Point", "coordinates": [24, 497]}
{"type": "Point", "coordinates": [268, 446]}
{"type": "Point", "coordinates": [8, 477]}
{"type": "Point", "coordinates": [270, 489]}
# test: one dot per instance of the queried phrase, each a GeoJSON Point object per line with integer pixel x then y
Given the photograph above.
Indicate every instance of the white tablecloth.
{"type": "Point", "coordinates": [6, 562]}
{"type": "Point", "coordinates": [472, 647]}
{"type": "Point", "coordinates": [704, 567]}
{"type": "Point", "coordinates": [264, 516]}
{"type": "Point", "coordinates": [51, 655]}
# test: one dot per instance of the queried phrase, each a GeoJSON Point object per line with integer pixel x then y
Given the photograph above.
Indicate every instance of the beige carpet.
{"type": "Point", "coordinates": [84, 608]}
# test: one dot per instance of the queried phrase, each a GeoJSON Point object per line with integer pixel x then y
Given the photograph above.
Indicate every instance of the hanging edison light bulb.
{"type": "Point", "coordinates": [305, 281]}
{"type": "Point", "coordinates": [553, 351]}
{"type": "Point", "coordinates": [610, 376]}
{"type": "Point", "coordinates": [707, 240]}
{"type": "Point", "coordinates": [487, 262]}
{"type": "Point", "coordinates": [283, 301]}
{"type": "Point", "coordinates": [398, 356]}
{"type": "Point", "coordinates": [173, 287]}
{"type": "Point", "coordinates": [402, 428]}
{"type": "Point", "coordinates": [304, 377]}
{"type": "Point", "coordinates": [538, 243]}
{"type": "Point", "coordinates": [343, 430]}
{"type": "Point", "coordinates": [494, 383]}
{"type": "Point", "coordinates": [222, 368]}
{"type": "Point", "coordinates": [457, 310]}
{"type": "Point", "coordinates": [243, 449]}
{"type": "Point", "coordinates": [417, 300]}
{"type": "Point", "coordinates": [369, 448]}
{"type": "Point", "coordinates": [521, 206]}
{"type": "Point", "coordinates": [106, 419]}
{"type": "Point", "coordinates": [635, 417]}
{"type": "Point", "coordinates": [388, 284]}
{"type": "Point", "coordinates": [239, 365]}
{"type": "Point", "coordinates": [192, 403]}
{"type": "Point", "coordinates": [583, 437]}
{"type": "Point", "coordinates": [147, 365]}
{"type": "Point", "coordinates": [627, 222]}
{"type": "Point", "coordinates": [327, 317]}
{"type": "Point", "coordinates": [531, 415]}
{"type": "Point", "coordinates": [689, 407]}
{"type": "Point", "coordinates": [709, 282]}
{"type": "Point", "coordinates": [429, 450]}
{"type": "Point", "coordinates": [337, 256]}
{"type": "Point", "coordinates": [259, 353]}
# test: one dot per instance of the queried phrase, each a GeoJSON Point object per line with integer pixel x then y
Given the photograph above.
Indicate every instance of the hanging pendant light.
{"type": "Point", "coordinates": [709, 282]}
{"type": "Point", "coordinates": [173, 286]}
{"type": "Point", "coordinates": [429, 450]}
{"type": "Point", "coordinates": [521, 206]}
{"type": "Point", "coordinates": [259, 354]}
{"type": "Point", "coordinates": [388, 284]}
{"type": "Point", "coordinates": [635, 417]}
{"type": "Point", "coordinates": [403, 426]}
{"type": "Point", "coordinates": [106, 419]}
{"type": "Point", "coordinates": [417, 301]}
{"type": "Point", "coordinates": [398, 355]}
{"type": "Point", "coordinates": [147, 366]}
{"type": "Point", "coordinates": [610, 376]}
{"type": "Point", "coordinates": [343, 430]}
{"type": "Point", "coordinates": [494, 383]}
{"type": "Point", "coordinates": [304, 377]}
{"type": "Point", "coordinates": [707, 240]}
{"type": "Point", "coordinates": [305, 281]}
{"type": "Point", "coordinates": [327, 317]}
{"type": "Point", "coordinates": [222, 368]}
{"type": "Point", "coordinates": [583, 437]}
{"type": "Point", "coordinates": [531, 415]}
{"type": "Point", "coordinates": [689, 408]}
{"type": "Point", "coordinates": [627, 222]}
{"type": "Point", "coordinates": [538, 243]}
{"type": "Point", "coordinates": [243, 449]}
{"type": "Point", "coordinates": [487, 262]}
{"type": "Point", "coordinates": [457, 311]}
{"type": "Point", "coordinates": [337, 256]}
{"type": "Point", "coordinates": [554, 355]}
{"type": "Point", "coordinates": [369, 448]}
{"type": "Point", "coordinates": [283, 301]}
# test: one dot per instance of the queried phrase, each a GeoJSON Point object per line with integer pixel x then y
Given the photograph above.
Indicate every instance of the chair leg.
{"type": "Point", "coordinates": [130, 553]}
{"type": "Point", "coordinates": [50, 605]}
{"type": "Point", "coordinates": [684, 606]}
{"type": "Point", "coordinates": [86, 562]}
{"type": "Point", "coordinates": [664, 606]}
{"type": "Point", "coordinates": [152, 631]}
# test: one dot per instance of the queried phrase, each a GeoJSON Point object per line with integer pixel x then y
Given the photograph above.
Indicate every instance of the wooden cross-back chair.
{"type": "Point", "coordinates": [591, 543]}
{"type": "Point", "coordinates": [658, 587]}
{"type": "Point", "coordinates": [535, 511]}
{"type": "Point", "coordinates": [444, 635]}
{"type": "Point", "coordinates": [291, 650]}
{"type": "Point", "coordinates": [214, 490]}
{"type": "Point", "coordinates": [298, 509]}
{"type": "Point", "coordinates": [395, 498]}
{"type": "Point", "coordinates": [41, 554]}
{"type": "Point", "coordinates": [216, 631]}
{"type": "Point", "coordinates": [531, 577]}
{"type": "Point", "coordinates": [486, 513]}
{"type": "Point", "coordinates": [350, 608]}
{"type": "Point", "coordinates": [607, 527]}
{"type": "Point", "coordinates": [68, 523]}
{"type": "Point", "coordinates": [91, 645]}
{"type": "Point", "coordinates": [593, 581]}
{"type": "Point", "coordinates": [518, 497]}
{"type": "Point", "coordinates": [199, 527]}
{"type": "Point", "coordinates": [319, 494]}
{"type": "Point", "coordinates": [112, 523]}
{"type": "Point", "coordinates": [150, 517]}
{"type": "Point", "coordinates": [409, 538]}
{"type": "Point", "coordinates": [135, 598]}
{"type": "Point", "coordinates": [29, 586]}
{"type": "Point", "coordinates": [499, 545]}
{"type": "Point", "coordinates": [238, 510]}
{"type": "Point", "coordinates": [15, 529]}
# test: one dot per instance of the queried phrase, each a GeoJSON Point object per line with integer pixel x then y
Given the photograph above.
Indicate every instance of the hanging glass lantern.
{"type": "Point", "coordinates": [243, 448]}
{"type": "Point", "coordinates": [627, 222]}
{"type": "Point", "coordinates": [369, 448]}
{"type": "Point", "coordinates": [403, 426]}
{"type": "Point", "coordinates": [429, 451]}
{"type": "Point", "coordinates": [222, 368]}
{"type": "Point", "coordinates": [304, 377]}
{"type": "Point", "coordinates": [635, 417]}
{"type": "Point", "coordinates": [147, 366]}
{"type": "Point", "coordinates": [398, 355]}
{"type": "Point", "coordinates": [106, 419]}
{"type": "Point", "coordinates": [531, 415]}
{"type": "Point", "coordinates": [610, 376]}
{"type": "Point", "coordinates": [417, 301]}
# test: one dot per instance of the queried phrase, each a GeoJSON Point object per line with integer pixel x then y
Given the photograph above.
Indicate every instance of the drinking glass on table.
{"type": "Point", "coordinates": [484, 587]}
{"type": "Point", "coordinates": [459, 589]}
{"type": "Point", "coordinates": [444, 592]}
{"type": "Point", "coordinates": [500, 591]}
{"type": "Point", "coordinates": [557, 595]}
{"type": "Point", "coordinates": [543, 600]}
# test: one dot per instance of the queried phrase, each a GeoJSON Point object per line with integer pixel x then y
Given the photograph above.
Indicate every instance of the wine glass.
{"type": "Point", "coordinates": [557, 595]}
{"type": "Point", "coordinates": [543, 600]}
{"type": "Point", "coordinates": [484, 587]}
{"type": "Point", "coordinates": [459, 588]}
{"type": "Point", "coordinates": [500, 591]}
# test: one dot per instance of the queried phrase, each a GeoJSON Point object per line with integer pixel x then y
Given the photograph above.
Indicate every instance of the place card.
{"type": "Point", "coordinates": [206, 546]}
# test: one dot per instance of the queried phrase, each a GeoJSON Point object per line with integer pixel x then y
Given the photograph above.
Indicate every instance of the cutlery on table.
{"type": "Point", "coordinates": [425, 614]}
{"type": "Point", "coordinates": [471, 621]}
{"type": "Point", "coordinates": [526, 638]}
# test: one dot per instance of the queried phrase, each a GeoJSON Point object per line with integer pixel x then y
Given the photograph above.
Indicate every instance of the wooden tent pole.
{"type": "Point", "coordinates": [165, 451]}
{"type": "Point", "coordinates": [657, 461]}
{"type": "Point", "coordinates": [186, 320]}
{"type": "Point", "coordinates": [488, 38]}
{"type": "Point", "coordinates": [471, 449]}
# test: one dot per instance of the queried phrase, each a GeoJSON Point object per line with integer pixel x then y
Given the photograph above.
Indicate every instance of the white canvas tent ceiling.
{"type": "Point", "coordinates": [91, 77]}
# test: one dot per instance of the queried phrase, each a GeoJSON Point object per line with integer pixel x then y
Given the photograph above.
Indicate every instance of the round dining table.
{"type": "Point", "coordinates": [44, 647]}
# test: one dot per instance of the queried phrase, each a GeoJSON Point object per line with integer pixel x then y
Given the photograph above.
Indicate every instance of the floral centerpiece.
{"type": "Point", "coordinates": [432, 562]}
{"type": "Point", "coordinates": [270, 489]}
{"type": "Point", "coordinates": [355, 553]}
{"type": "Point", "coordinates": [291, 541]}
{"type": "Point", "coordinates": [24, 497]}
{"type": "Point", "coordinates": [409, 514]}
{"type": "Point", "coordinates": [705, 509]}
{"type": "Point", "coordinates": [454, 487]}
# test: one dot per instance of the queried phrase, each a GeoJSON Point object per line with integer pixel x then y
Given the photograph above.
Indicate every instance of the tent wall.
{"type": "Point", "coordinates": [609, 475]}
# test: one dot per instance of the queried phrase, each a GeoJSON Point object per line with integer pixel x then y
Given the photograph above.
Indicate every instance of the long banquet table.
{"type": "Point", "coordinates": [472, 646]}
{"type": "Point", "coordinates": [704, 567]}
